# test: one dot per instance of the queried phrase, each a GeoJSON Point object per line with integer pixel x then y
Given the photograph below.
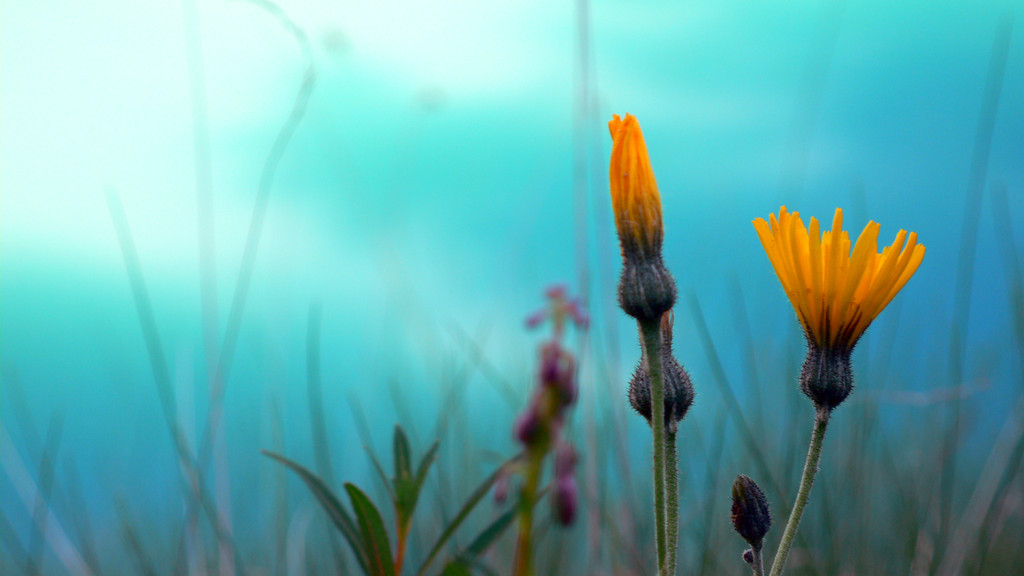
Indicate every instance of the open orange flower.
{"type": "Point", "coordinates": [635, 197]}
{"type": "Point", "coordinates": [836, 294]}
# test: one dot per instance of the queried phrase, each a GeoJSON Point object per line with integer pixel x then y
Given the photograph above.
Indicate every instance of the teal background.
{"type": "Point", "coordinates": [427, 198]}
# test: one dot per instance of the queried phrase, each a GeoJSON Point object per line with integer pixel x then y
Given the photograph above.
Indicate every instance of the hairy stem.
{"type": "Point", "coordinates": [672, 499]}
{"type": "Point", "coordinates": [806, 481]}
{"type": "Point", "coordinates": [758, 564]}
{"type": "Point", "coordinates": [652, 349]}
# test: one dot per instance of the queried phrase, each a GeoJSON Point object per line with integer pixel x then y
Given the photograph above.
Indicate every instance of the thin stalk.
{"type": "Point", "coordinates": [403, 532]}
{"type": "Point", "coordinates": [758, 564]}
{"type": "Point", "coordinates": [652, 350]}
{"type": "Point", "coordinates": [672, 499]}
{"type": "Point", "coordinates": [806, 481]}
{"type": "Point", "coordinates": [524, 549]}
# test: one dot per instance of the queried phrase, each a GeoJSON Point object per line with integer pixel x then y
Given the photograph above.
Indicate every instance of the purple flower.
{"type": "Point", "coordinates": [563, 500]}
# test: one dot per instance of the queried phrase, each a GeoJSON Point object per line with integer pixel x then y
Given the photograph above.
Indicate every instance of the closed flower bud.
{"type": "Point", "coordinates": [678, 388]}
{"type": "Point", "coordinates": [646, 289]}
{"type": "Point", "coordinates": [750, 516]}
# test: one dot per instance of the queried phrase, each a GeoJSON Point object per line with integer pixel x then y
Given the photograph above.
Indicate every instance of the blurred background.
{"type": "Point", "coordinates": [220, 217]}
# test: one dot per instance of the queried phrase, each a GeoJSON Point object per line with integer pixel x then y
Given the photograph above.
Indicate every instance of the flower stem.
{"type": "Point", "coordinates": [758, 563]}
{"type": "Point", "coordinates": [523, 565]}
{"type": "Point", "coordinates": [652, 348]}
{"type": "Point", "coordinates": [672, 499]}
{"type": "Point", "coordinates": [806, 481]}
{"type": "Point", "coordinates": [400, 553]}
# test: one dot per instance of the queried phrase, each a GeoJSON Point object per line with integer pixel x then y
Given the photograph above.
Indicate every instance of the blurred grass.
{"type": "Point", "coordinates": [887, 500]}
{"type": "Point", "coordinates": [874, 510]}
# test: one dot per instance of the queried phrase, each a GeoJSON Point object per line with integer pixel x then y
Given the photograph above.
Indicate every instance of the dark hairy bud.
{"type": "Point", "coordinates": [750, 516]}
{"type": "Point", "coordinates": [826, 377]}
{"type": "Point", "coordinates": [678, 388]}
{"type": "Point", "coordinates": [646, 288]}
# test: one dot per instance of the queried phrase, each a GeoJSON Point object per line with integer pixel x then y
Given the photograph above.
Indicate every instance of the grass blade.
{"type": "Point", "coordinates": [425, 463]}
{"type": "Point", "coordinates": [376, 544]}
{"type": "Point", "coordinates": [330, 503]}
{"type": "Point", "coordinates": [467, 507]}
{"type": "Point", "coordinates": [403, 461]}
{"type": "Point", "coordinates": [47, 470]}
{"type": "Point", "coordinates": [748, 436]}
{"type": "Point", "coordinates": [965, 266]}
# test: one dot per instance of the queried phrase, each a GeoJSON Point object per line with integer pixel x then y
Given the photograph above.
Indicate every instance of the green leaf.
{"type": "Point", "coordinates": [375, 537]}
{"type": "Point", "coordinates": [425, 463]}
{"type": "Point", "coordinates": [403, 459]}
{"type": "Point", "coordinates": [456, 568]}
{"type": "Point", "coordinates": [330, 503]}
{"type": "Point", "coordinates": [408, 487]}
{"type": "Point", "coordinates": [468, 557]}
{"type": "Point", "coordinates": [383, 477]}
{"type": "Point", "coordinates": [467, 507]}
{"type": "Point", "coordinates": [406, 495]}
{"type": "Point", "coordinates": [462, 562]}
{"type": "Point", "coordinates": [462, 568]}
{"type": "Point", "coordinates": [484, 540]}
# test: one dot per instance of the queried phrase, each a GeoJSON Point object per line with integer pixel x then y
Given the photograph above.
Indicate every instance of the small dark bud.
{"type": "Point", "coordinates": [558, 371]}
{"type": "Point", "coordinates": [750, 516]}
{"type": "Point", "coordinates": [564, 500]}
{"type": "Point", "coordinates": [529, 427]}
{"type": "Point", "coordinates": [646, 288]}
{"type": "Point", "coordinates": [826, 377]}
{"type": "Point", "coordinates": [678, 388]}
{"type": "Point", "coordinates": [748, 556]}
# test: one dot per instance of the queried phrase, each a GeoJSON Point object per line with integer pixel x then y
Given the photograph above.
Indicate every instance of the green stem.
{"type": "Point", "coordinates": [523, 565]}
{"type": "Point", "coordinates": [806, 481]}
{"type": "Point", "coordinates": [652, 348]}
{"type": "Point", "coordinates": [672, 497]}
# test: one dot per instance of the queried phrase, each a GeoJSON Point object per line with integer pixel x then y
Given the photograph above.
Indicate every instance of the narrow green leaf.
{"type": "Point", "coordinates": [462, 562]}
{"type": "Point", "coordinates": [383, 477]}
{"type": "Point", "coordinates": [405, 500]}
{"type": "Point", "coordinates": [330, 503]}
{"type": "Point", "coordinates": [408, 487]}
{"type": "Point", "coordinates": [375, 537]}
{"type": "Point", "coordinates": [403, 458]}
{"type": "Point", "coordinates": [484, 540]}
{"type": "Point", "coordinates": [456, 568]}
{"type": "Point", "coordinates": [461, 568]}
{"type": "Point", "coordinates": [425, 463]}
{"type": "Point", "coordinates": [467, 507]}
